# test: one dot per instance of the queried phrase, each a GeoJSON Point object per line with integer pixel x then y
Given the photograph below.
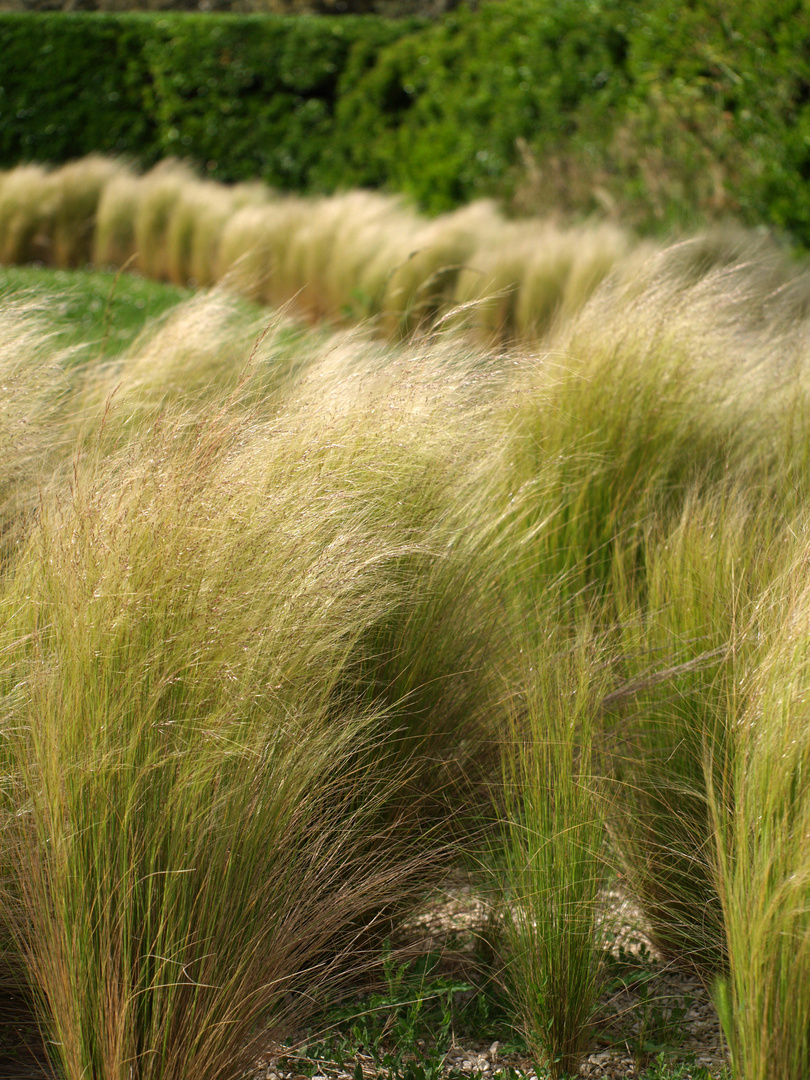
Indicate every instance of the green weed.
{"type": "Point", "coordinates": [404, 1029]}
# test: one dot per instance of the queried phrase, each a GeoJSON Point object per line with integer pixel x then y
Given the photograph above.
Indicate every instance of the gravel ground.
{"type": "Point", "coordinates": [671, 1011]}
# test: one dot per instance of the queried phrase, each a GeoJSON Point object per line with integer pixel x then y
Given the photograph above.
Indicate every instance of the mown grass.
{"type": "Point", "coordinates": [97, 313]}
{"type": "Point", "coordinates": [296, 624]}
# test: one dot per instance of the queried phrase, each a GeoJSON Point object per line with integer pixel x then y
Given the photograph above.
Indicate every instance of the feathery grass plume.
{"type": "Point", "coordinates": [254, 245]}
{"type": "Point", "coordinates": [27, 203]}
{"type": "Point", "coordinates": [526, 274]}
{"type": "Point", "coordinates": [660, 402]}
{"type": "Point", "coordinates": [552, 857]}
{"type": "Point", "coordinates": [208, 826]}
{"type": "Point", "coordinates": [761, 810]}
{"type": "Point", "coordinates": [541, 289]}
{"type": "Point", "coordinates": [78, 188]}
{"type": "Point", "coordinates": [312, 268]}
{"type": "Point", "coordinates": [720, 247]}
{"type": "Point", "coordinates": [196, 226]}
{"type": "Point", "coordinates": [599, 250]}
{"type": "Point", "coordinates": [35, 426]}
{"type": "Point", "coordinates": [423, 285]}
{"type": "Point", "coordinates": [765, 286]}
{"type": "Point", "coordinates": [641, 396]}
{"type": "Point", "coordinates": [195, 353]}
{"type": "Point", "coordinates": [198, 216]}
{"type": "Point", "coordinates": [304, 257]}
{"type": "Point", "coordinates": [487, 286]}
{"type": "Point", "coordinates": [373, 234]}
{"type": "Point", "coordinates": [758, 288]}
{"type": "Point", "coordinates": [13, 982]}
{"type": "Point", "coordinates": [414, 431]}
{"type": "Point", "coordinates": [114, 241]}
{"type": "Point", "coordinates": [565, 268]}
{"type": "Point", "coordinates": [159, 191]}
{"type": "Point", "coordinates": [207, 233]}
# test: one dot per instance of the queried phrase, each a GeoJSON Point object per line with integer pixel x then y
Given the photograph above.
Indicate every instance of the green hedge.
{"type": "Point", "coordinates": [720, 105]}
{"type": "Point", "coordinates": [241, 96]}
{"type": "Point", "coordinates": [444, 109]}
{"type": "Point", "coordinates": [670, 114]}
{"type": "Point", "coordinates": [255, 96]}
{"type": "Point", "coordinates": [72, 84]}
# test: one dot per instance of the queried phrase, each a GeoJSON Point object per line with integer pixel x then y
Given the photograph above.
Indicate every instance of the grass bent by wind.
{"type": "Point", "coordinates": [297, 625]}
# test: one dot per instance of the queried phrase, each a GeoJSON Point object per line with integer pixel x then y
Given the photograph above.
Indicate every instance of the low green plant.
{"type": "Point", "coordinates": [404, 1029]}
{"type": "Point", "coordinates": [665, 1069]}
{"type": "Point", "coordinates": [659, 1027]}
{"type": "Point", "coordinates": [654, 1021]}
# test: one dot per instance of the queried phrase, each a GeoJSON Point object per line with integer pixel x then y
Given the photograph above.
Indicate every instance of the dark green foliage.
{"type": "Point", "coordinates": [70, 85]}
{"type": "Point", "coordinates": [255, 96]}
{"type": "Point", "coordinates": [473, 85]}
{"type": "Point", "coordinates": [718, 117]}
{"type": "Point", "coordinates": [241, 96]}
{"type": "Point", "coordinates": [391, 9]}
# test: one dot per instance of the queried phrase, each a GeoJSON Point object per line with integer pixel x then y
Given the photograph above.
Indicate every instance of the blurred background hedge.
{"type": "Point", "coordinates": [662, 116]}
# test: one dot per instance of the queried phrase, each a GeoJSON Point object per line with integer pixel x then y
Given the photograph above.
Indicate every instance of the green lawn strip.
{"type": "Point", "coordinates": [98, 314]}
{"type": "Point", "coordinates": [93, 310]}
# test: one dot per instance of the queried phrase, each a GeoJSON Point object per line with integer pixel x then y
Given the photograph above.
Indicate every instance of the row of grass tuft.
{"type": "Point", "coordinates": [354, 256]}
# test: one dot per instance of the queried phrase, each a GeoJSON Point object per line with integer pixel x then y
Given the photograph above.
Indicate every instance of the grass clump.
{"type": "Point", "coordinates": [195, 231]}
{"type": "Point", "coordinates": [196, 837]}
{"type": "Point", "coordinates": [159, 196]}
{"type": "Point", "coordinates": [682, 655]}
{"type": "Point", "coordinates": [78, 189]}
{"type": "Point", "coordinates": [26, 197]}
{"type": "Point", "coordinates": [34, 434]}
{"type": "Point", "coordinates": [553, 860]}
{"type": "Point", "coordinates": [760, 802]}
{"type": "Point", "coordinates": [114, 236]}
{"type": "Point", "coordinates": [227, 801]}
{"type": "Point", "coordinates": [254, 245]}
